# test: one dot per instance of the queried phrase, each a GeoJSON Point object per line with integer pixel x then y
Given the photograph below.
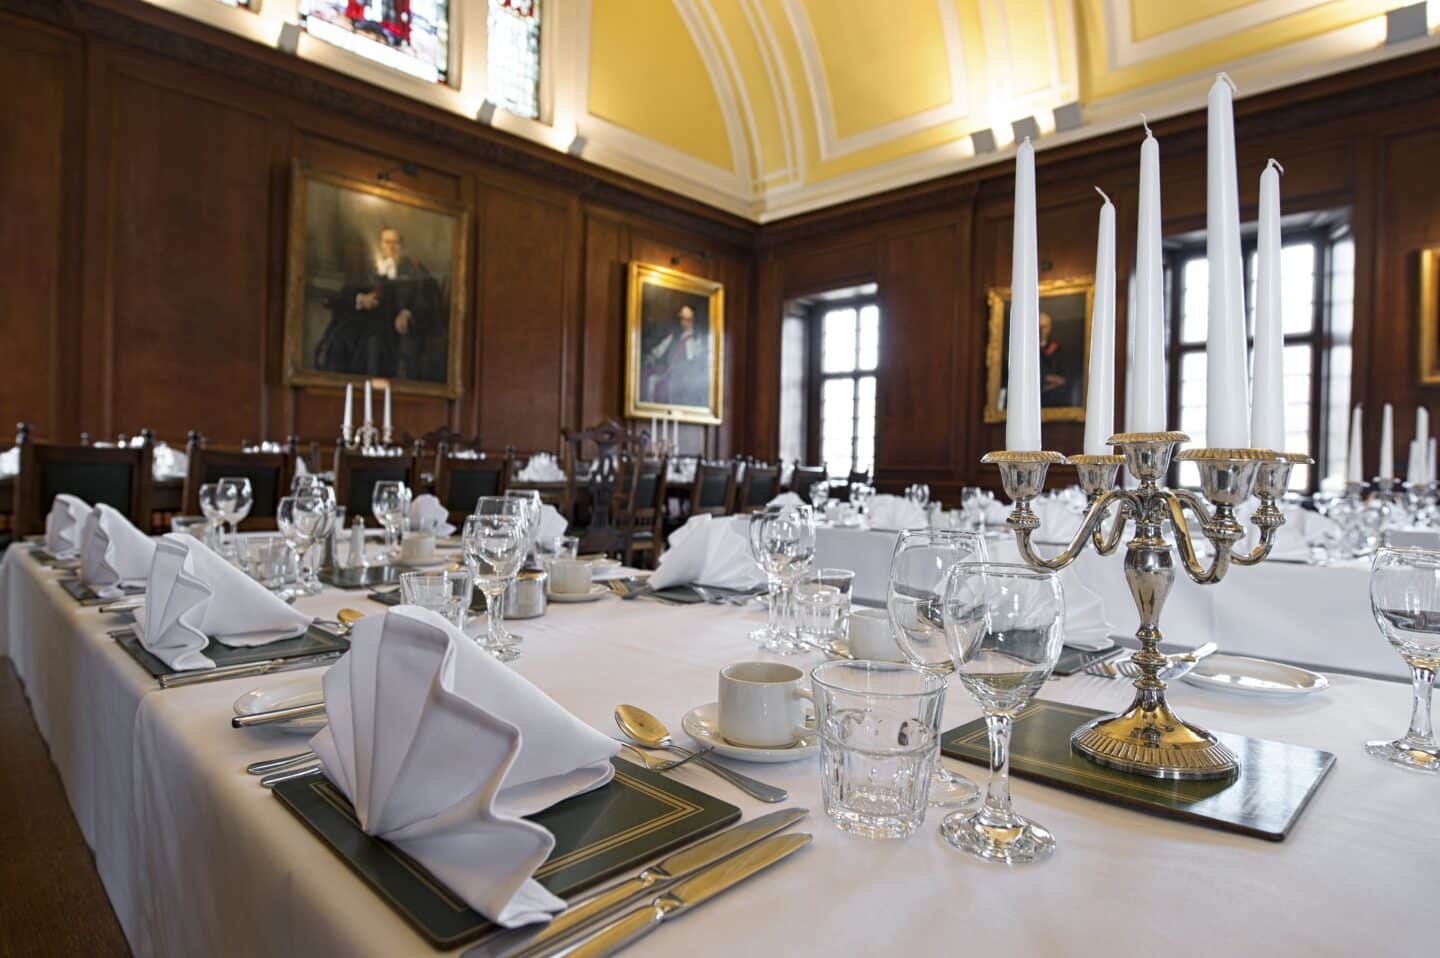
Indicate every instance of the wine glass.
{"type": "Point", "coordinates": [303, 520]}
{"type": "Point", "coordinates": [1405, 598]}
{"type": "Point", "coordinates": [919, 493]}
{"type": "Point", "coordinates": [234, 497]}
{"type": "Point", "coordinates": [782, 541]}
{"type": "Point", "coordinates": [819, 495]}
{"type": "Point", "coordinates": [916, 591]}
{"type": "Point", "coordinates": [531, 499]}
{"type": "Point", "coordinates": [214, 517]}
{"type": "Point", "coordinates": [494, 546]}
{"type": "Point", "coordinates": [389, 502]}
{"type": "Point", "coordinates": [1003, 629]}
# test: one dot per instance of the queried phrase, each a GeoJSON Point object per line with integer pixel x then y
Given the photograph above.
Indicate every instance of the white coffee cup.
{"type": "Point", "coordinates": [762, 704]}
{"type": "Point", "coordinates": [417, 547]}
{"type": "Point", "coordinates": [870, 636]}
{"type": "Point", "coordinates": [569, 576]}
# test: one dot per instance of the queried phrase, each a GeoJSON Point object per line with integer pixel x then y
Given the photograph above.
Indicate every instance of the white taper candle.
{"type": "Point", "coordinates": [1387, 442]}
{"type": "Point", "coordinates": [1022, 391]}
{"type": "Point", "coordinates": [1227, 381]}
{"type": "Point", "coordinates": [1100, 387]}
{"type": "Point", "coordinates": [1146, 386]}
{"type": "Point", "coordinates": [1267, 413]}
{"type": "Point", "coordinates": [1355, 458]}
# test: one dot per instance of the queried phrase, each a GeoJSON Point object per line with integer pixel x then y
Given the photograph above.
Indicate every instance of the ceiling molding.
{"type": "Point", "coordinates": [1126, 51]}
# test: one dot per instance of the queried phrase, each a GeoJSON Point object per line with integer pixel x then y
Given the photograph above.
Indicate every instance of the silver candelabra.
{"type": "Point", "coordinates": [1148, 738]}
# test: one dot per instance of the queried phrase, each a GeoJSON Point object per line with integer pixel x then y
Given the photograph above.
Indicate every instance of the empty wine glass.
{"type": "Point", "coordinates": [234, 497]}
{"type": "Point", "coordinates": [1002, 625]}
{"type": "Point", "coordinates": [390, 502]}
{"type": "Point", "coordinates": [782, 541]}
{"type": "Point", "coordinates": [214, 517]}
{"type": "Point", "coordinates": [915, 595]}
{"type": "Point", "coordinates": [819, 495]}
{"type": "Point", "coordinates": [919, 493]}
{"type": "Point", "coordinates": [1405, 598]}
{"type": "Point", "coordinates": [494, 546]}
{"type": "Point", "coordinates": [303, 521]}
{"type": "Point", "coordinates": [531, 500]}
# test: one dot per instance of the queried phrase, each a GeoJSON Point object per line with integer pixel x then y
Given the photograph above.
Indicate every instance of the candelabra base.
{"type": "Point", "coordinates": [1149, 739]}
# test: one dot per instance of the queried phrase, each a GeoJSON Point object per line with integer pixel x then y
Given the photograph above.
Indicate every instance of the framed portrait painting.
{"type": "Point", "coordinates": [1064, 346]}
{"type": "Point", "coordinates": [1430, 316]}
{"type": "Point", "coordinates": [375, 285]}
{"type": "Point", "coordinates": [674, 337]}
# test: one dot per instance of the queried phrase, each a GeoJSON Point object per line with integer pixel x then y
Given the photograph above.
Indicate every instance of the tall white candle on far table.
{"type": "Point", "coordinates": [1100, 389]}
{"type": "Point", "coordinates": [369, 416]}
{"type": "Point", "coordinates": [1022, 391]}
{"type": "Point", "coordinates": [387, 407]}
{"type": "Point", "coordinates": [1227, 384]}
{"type": "Point", "coordinates": [1387, 442]}
{"type": "Point", "coordinates": [349, 424]}
{"type": "Point", "coordinates": [1415, 464]}
{"type": "Point", "coordinates": [1422, 424]}
{"type": "Point", "coordinates": [1355, 459]}
{"type": "Point", "coordinates": [1430, 462]}
{"type": "Point", "coordinates": [1267, 412]}
{"type": "Point", "coordinates": [1147, 365]}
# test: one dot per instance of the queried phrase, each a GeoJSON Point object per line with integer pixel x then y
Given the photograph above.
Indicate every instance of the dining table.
{"type": "Point", "coordinates": [198, 859]}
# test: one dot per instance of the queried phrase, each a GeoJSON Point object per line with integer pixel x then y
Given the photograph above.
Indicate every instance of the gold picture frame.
{"type": "Point", "coordinates": [674, 345]}
{"type": "Point", "coordinates": [1069, 307]}
{"type": "Point", "coordinates": [1430, 316]}
{"type": "Point", "coordinates": [376, 285]}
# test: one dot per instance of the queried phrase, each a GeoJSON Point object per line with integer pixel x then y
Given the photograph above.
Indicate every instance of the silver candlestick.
{"type": "Point", "coordinates": [1148, 738]}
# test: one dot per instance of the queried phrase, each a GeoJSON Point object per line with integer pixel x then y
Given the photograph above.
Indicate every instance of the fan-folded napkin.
{"type": "Point", "coordinates": [428, 515]}
{"type": "Point", "coordinates": [113, 553]}
{"type": "Point", "coordinates": [787, 499]}
{"type": "Point", "coordinates": [896, 512]}
{"type": "Point", "coordinates": [65, 524]}
{"type": "Point", "coordinates": [552, 523]}
{"type": "Point", "coordinates": [541, 468]}
{"type": "Point", "coordinates": [707, 551]}
{"type": "Point", "coordinates": [442, 750]}
{"type": "Point", "coordinates": [193, 594]}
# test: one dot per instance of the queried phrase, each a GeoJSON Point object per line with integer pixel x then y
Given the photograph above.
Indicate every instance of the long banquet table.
{"type": "Point", "coordinates": [198, 859]}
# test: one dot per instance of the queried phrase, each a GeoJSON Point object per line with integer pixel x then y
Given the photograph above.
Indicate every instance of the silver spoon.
{"type": "Point", "coordinates": [276, 764]}
{"type": "Point", "coordinates": [647, 730]}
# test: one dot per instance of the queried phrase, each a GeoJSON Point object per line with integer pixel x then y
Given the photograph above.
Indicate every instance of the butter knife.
{"type": "Point", "coordinates": [678, 899]}
{"type": "Point", "coordinates": [587, 911]}
{"type": "Point", "coordinates": [250, 668]}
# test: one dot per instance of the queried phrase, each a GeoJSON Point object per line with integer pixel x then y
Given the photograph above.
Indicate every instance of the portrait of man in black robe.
{"type": "Point", "coordinates": [675, 349]}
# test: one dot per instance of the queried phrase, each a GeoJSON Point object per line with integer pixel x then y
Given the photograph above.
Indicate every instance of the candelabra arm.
{"type": "Point", "coordinates": [1107, 543]}
{"type": "Point", "coordinates": [1195, 504]}
{"type": "Point", "coordinates": [1186, 544]}
{"type": "Point", "coordinates": [1090, 527]}
{"type": "Point", "coordinates": [1261, 550]}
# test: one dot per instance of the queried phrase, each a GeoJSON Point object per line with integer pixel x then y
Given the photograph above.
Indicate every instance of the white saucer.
{"type": "Point", "coordinates": [302, 690]}
{"type": "Point", "coordinates": [1247, 676]}
{"type": "Point", "coordinates": [597, 591]}
{"type": "Point", "coordinates": [702, 724]}
{"type": "Point", "coordinates": [602, 562]}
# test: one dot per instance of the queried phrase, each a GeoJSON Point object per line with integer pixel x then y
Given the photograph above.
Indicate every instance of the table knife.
{"type": "Point", "coordinates": [277, 715]}
{"type": "Point", "coordinates": [587, 911]}
{"type": "Point", "coordinates": [680, 898]}
{"type": "Point", "coordinates": [250, 668]}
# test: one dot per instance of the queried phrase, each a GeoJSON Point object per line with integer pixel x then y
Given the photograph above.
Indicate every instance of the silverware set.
{"type": "Point", "coordinates": [645, 730]}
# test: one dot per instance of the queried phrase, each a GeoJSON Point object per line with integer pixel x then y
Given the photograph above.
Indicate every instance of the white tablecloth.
{"type": "Point", "coordinates": [199, 860]}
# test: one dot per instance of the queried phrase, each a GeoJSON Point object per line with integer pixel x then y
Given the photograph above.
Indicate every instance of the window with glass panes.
{"type": "Point", "coordinates": [512, 46]}
{"type": "Point", "coordinates": [1317, 268]}
{"type": "Point", "coordinates": [846, 338]}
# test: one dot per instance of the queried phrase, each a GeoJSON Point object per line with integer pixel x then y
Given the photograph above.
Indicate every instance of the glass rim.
{"type": "Point", "coordinates": [1019, 570]}
{"type": "Point", "coordinates": [1409, 550]}
{"type": "Point", "coordinates": [935, 682]}
{"type": "Point", "coordinates": [442, 574]}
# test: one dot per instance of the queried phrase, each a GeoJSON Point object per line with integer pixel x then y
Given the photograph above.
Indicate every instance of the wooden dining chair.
{"type": "Point", "coordinates": [641, 516]}
{"type": "Point", "coordinates": [119, 476]}
{"type": "Point", "coordinates": [460, 481]}
{"type": "Point", "coordinates": [356, 475]}
{"type": "Point", "coordinates": [713, 493]}
{"type": "Point", "coordinates": [269, 473]}
{"type": "Point", "coordinates": [760, 484]}
{"type": "Point", "coordinates": [803, 477]}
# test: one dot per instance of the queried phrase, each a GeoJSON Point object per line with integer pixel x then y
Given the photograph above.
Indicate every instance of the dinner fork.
{"type": "Point", "coordinates": [659, 766]}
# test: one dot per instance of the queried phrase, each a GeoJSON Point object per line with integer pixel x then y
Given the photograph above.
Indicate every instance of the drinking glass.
{"type": "Point", "coordinates": [860, 495]}
{"type": "Point", "coordinates": [551, 548]}
{"type": "Point", "coordinates": [233, 497]}
{"type": "Point", "coordinates": [303, 521]}
{"type": "Point", "coordinates": [1002, 625]}
{"type": "Point", "coordinates": [531, 500]}
{"type": "Point", "coordinates": [819, 495]}
{"type": "Point", "coordinates": [822, 613]}
{"type": "Point", "coordinates": [507, 506]}
{"type": "Point", "coordinates": [915, 595]}
{"type": "Point", "coordinates": [494, 547]}
{"type": "Point", "coordinates": [782, 541]}
{"type": "Point", "coordinates": [390, 503]}
{"type": "Point", "coordinates": [306, 482]}
{"type": "Point", "coordinates": [263, 558]}
{"type": "Point", "coordinates": [1405, 598]}
{"type": "Point", "coordinates": [214, 518]}
{"type": "Point", "coordinates": [446, 593]}
{"type": "Point", "coordinates": [879, 730]}
{"type": "Point", "coordinates": [919, 493]}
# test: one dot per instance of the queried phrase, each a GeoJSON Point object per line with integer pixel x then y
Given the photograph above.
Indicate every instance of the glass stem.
{"type": "Point", "coordinates": [495, 604]}
{"type": "Point", "coordinates": [997, 794]}
{"type": "Point", "coordinates": [1422, 680]}
{"type": "Point", "coordinates": [776, 617]}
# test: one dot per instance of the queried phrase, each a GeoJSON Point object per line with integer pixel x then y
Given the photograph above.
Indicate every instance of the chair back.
{"type": "Point", "coordinates": [803, 477]}
{"type": "Point", "coordinates": [760, 485]}
{"type": "Point", "coordinates": [713, 492]}
{"type": "Point", "coordinates": [356, 475]}
{"type": "Point", "coordinates": [269, 474]}
{"type": "Point", "coordinates": [120, 477]}
{"type": "Point", "coordinates": [459, 482]}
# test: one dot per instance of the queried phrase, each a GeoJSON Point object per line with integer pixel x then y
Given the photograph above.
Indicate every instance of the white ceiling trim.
{"type": "Point", "coordinates": [725, 94]}
{"type": "Point", "coordinates": [832, 146]}
{"type": "Point", "coordinates": [781, 90]}
{"type": "Point", "coordinates": [1126, 51]}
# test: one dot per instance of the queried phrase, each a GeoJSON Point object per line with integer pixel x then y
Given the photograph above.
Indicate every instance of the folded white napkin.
{"type": "Point", "coordinates": [442, 750]}
{"type": "Point", "coordinates": [113, 553]}
{"type": "Point", "coordinates": [1085, 624]}
{"type": "Point", "coordinates": [996, 512]}
{"type": "Point", "coordinates": [65, 524]}
{"type": "Point", "coordinates": [1292, 540]}
{"type": "Point", "coordinates": [428, 515]}
{"type": "Point", "coordinates": [193, 594]}
{"type": "Point", "coordinates": [552, 523]}
{"type": "Point", "coordinates": [705, 551]}
{"type": "Point", "coordinates": [541, 467]}
{"type": "Point", "coordinates": [10, 461]}
{"type": "Point", "coordinates": [301, 469]}
{"type": "Point", "coordinates": [167, 462]}
{"type": "Point", "coordinates": [1059, 519]}
{"type": "Point", "coordinates": [786, 498]}
{"type": "Point", "coordinates": [897, 512]}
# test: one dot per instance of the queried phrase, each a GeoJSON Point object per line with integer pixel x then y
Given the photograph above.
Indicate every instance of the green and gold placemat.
{"type": "Point", "coordinates": [44, 556]}
{"type": "Point", "coordinates": [315, 641]}
{"type": "Point", "coordinates": [85, 595]}
{"type": "Point", "coordinates": [1275, 783]}
{"type": "Point", "coordinates": [637, 817]}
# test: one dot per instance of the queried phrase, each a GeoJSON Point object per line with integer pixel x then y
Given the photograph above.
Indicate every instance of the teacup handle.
{"type": "Point", "coordinates": [808, 726]}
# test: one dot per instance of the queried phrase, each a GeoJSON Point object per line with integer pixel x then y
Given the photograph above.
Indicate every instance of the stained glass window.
{"type": "Point", "coordinates": [412, 36]}
{"type": "Point", "coordinates": [513, 56]}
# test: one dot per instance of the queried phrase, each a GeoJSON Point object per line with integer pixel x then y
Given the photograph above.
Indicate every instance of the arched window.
{"type": "Point", "coordinates": [513, 56]}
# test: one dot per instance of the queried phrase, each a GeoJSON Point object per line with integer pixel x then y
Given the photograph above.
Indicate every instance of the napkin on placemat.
{"type": "Point", "coordinates": [65, 524]}
{"type": "Point", "coordinates": [442, 750]}
{"type": "Point", "coordinates": [113, 553]}
{"type": "Point", "coordinates": [428, 515]}
{"type": "Point", "coordinates": [706, 551]}
{"type": "Point", "coordinates": [552, 523]}
{"type": "Point", "coordinates": [194, 594]}
{"type": "Point", "coordinates": [896, 512]}
{"type": "Point", "coordinates": [787, 499]}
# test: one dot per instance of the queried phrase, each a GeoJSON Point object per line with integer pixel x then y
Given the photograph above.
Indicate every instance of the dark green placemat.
{"type": "Point", "coordinates": [1074, 660]}
{"type": "Point", "coordinates": [1274, 785]}
{"type": "Point", "coordinates": [392, 597]}
{"type": "Point", "coordinates": [637, 817]}
{"type": "Point", "coordinates": [85, 595]}
{"type": "Point", "coordinates": [313, 642]}
{"type": "Point", "coordinates": [44, 556]}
